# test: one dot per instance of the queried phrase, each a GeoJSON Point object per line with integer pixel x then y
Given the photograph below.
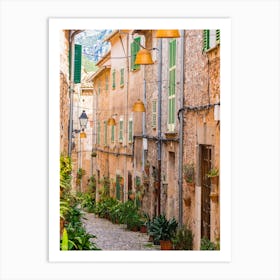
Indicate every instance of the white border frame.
{"type": "Point", "coordinates": [224, 255]}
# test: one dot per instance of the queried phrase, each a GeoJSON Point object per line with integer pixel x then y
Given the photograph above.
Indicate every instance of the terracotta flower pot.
{"type": "Point", "coordinates": [166, 245]}
{"type": "Point", "coordinates": [143, 229]}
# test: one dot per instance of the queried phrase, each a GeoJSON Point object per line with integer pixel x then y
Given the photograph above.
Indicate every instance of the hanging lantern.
{"type": "Point", "coordinates": [143, 57]}
{"type": "Point", "coordinates": [83, 135]}
{"type": "Point", "coordinates": [168, 33]}
{"type": "Point", "coordinates": [111, 121]}
{"type": "Point", "coordinates": [138, 106]}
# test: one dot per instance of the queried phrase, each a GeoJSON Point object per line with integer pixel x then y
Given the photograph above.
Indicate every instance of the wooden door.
{"type": "Point", "coordinates": [205, 166]}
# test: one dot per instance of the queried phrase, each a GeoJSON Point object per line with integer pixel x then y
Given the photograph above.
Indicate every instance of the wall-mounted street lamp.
{"type": "Point", "coordinates": [83, 119]}
{"type": "Point", "coordinates": [139, 106]}
{"type": "Point", "coordinates": [166, 33]}
{"type": "Point", "coordinates": [111, 121]}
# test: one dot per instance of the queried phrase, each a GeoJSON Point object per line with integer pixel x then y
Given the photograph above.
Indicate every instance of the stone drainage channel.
{"type": "Point", "coordinates": [111, 236]}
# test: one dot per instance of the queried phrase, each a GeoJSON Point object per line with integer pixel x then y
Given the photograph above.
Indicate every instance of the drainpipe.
{"type": "Point", "coordinates": [181, 130]}
{"type": "Point", "coordinates": [159, 122]}
{"type": "Point", "coordinates": [71, 88]}
{"type": "Point", "coordinates": [144, 123]}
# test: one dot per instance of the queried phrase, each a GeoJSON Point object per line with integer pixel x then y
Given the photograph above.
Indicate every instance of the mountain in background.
{"type": "Point", "coordinates": [93, 47]}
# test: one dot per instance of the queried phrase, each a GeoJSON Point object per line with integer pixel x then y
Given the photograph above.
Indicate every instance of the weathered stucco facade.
{"type": "Point", "coordinates": [164, 154]}
{"type": "Point", "coordinates": [201, 136]}
{"type": "Point", "coordinates": [64, 90]}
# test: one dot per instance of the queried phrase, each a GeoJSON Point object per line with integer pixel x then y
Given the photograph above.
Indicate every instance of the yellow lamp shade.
{"type": "Point", "coordinates": [83, 135]}
{"type": "Point", "coordinates": [168, 33]}
{"type": "Point", "coordinates": [111, 122]}
{"type": "Point", "coordinates": [138, 106]}
{"type": "Point", "coordinates": [143, 57]}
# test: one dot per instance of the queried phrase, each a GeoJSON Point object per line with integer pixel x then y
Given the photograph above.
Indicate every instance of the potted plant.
{"type": "Point", "coordinates": [189, 175]}
{"type": "Point", "coordinates": [183, 239]}
{"type": "Point", "coordinates": [94, 154]}
{"type": "Point", "coordinates": [163, 230]}
{"type": "Point", "coordinates": [213, 174]}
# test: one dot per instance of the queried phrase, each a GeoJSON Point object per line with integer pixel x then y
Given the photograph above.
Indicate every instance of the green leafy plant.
{"type": "Point", "coordinates": [163, 229]}
{"type": "Point", "coordinates": [214, 172]}
{"type": "Point", "coordinates": [189, 173]}
{"type": "Point", "coordinates": [206, 244]}
{"type": "Point", "coordinates": [183, 240]}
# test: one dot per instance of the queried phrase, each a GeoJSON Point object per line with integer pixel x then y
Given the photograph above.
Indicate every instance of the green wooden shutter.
{"type": "Point", "coordinates": [217, 36]}
{"type": "Point", "coordinates": [135, 47]}
{"type": "Point", "coordinates": [121, 131]}
{"type": "Point", "coordinates": [172, 81]}
{"type": "Point", "coordinates": [77, 64]}
{"type": "Point", "coordinates": [130, 131]}
{"type": "Point", "coordinates": [122, 77]}
{"type": "Point", "coordinates": [114, 79]}
{"type": "Point", "coordinates": [118, 188]}
{"type": "Point", "coordinates": [99, 87]}
{"type": "Point", "coordinates": [106, 83]}
{"type": "Point", "coordinates": [206, 39]}
{"type": "Point", "coordinates": [112, 133]}
{"type": "Point", "coordinates": [98, 133]}
{"type": "Point", "coordinates": [105, 133]}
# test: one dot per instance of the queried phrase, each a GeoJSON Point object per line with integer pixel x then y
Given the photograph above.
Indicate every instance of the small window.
{"type": "Point", "coordinates": [211, 38]}
{"type": "Point", "coordinates": [114, 79]}
{"type": "Point", "coordinates": [106, 83]}
{"type": "Point", "coordinates": [130, 131]}
{"type": "Point", "coordinates": [121, 131]}
{"type": "Point", "coordinates": [135, 47]}
{"type": "Point", "coordinates": [122, 78]}
{"type": "Point", "coordinates": [113, 134]}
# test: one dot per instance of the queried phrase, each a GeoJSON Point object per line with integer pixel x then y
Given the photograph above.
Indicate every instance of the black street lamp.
{"type": "Point", "coordinates": [83, 119]}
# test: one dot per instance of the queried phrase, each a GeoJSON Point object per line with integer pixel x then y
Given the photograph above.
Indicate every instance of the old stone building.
{"type": "Point", "coordinates": [165, 154]}
{"type": "Point", "coordinates": [117, 86]}
{"type": "Point", "coordinates": [201, 133]}
{"type": "Point", "coordinates": [64, 90]}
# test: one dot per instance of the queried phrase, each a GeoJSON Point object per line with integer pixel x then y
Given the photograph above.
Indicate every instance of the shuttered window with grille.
{"type": "Point", "coordinates": [122, 77]}
{"type": "Point", "coordinates": [114, 79]}
{"type": "Point", "coordinates": [130, 130]}
{"type": "Point", "coordinates": [121, 131]}
{"type": "Point", "coordinates": [211, 38]}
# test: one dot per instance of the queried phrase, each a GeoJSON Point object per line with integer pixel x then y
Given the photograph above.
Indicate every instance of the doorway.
{"type": "Point", "coordinates": [205, 167]}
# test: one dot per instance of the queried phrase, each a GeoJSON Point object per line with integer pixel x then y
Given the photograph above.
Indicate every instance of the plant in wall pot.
{"type": "Point", "coordinates": [163, 230]}
{"type": "Point", "coordinates": [213, 174]}
{"type": "Point", "coordinates": [189, 175]}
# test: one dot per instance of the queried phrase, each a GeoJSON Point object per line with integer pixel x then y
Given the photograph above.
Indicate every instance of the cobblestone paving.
{"type": "Point", "coordinates": [116, 237]}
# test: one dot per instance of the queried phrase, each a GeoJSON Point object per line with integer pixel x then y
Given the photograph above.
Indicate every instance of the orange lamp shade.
{"type": "Point", "coordinates": [111, 122]}
{"type": "Point", "coordinates": [138, 106]}
{"type": "Point", "coordinates": [83, 135]}
{"type": "Point", "coordinates": [168, 33]}
{"type": "Point", "coordinates": [143, 57]}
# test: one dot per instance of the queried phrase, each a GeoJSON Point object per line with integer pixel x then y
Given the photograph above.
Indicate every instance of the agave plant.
{"type": "Point", "coordinates": [163, 229]}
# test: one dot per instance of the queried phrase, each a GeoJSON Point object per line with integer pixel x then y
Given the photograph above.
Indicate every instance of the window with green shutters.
{"type": "Point", "coordinates": [98, 133]}
{"type": "Point", "coordinates": [154, 114]}
{"type": "Point", "coordinates": [211, 38]}
{"type": "Point", "coordinates": [122, 78]}
{"type": "Point", "coordinates": [99, 87]}
{"type": "Point", "coordinates": [106, 83]}
{"type": "Point", "coordinates": [135, 47]}
{"type": "Point", "coordinates": [172, 82]}
{"type": "Point", "coordinates": [114, 79]}
{"type": "Point", "coordinates": [112, 133]}
{"type": "Point", "coordinates": [105, 133]}
{"type": "Point", "coordinates": [77, 64]}
{"type": "Point", "coordinates": [130, 131]}
{"type": "Point", "coordinates": [121, 132]}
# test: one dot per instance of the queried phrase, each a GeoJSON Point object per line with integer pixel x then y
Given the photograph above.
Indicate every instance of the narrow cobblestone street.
{"type": "Point", "coordinates": [116, 237]}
